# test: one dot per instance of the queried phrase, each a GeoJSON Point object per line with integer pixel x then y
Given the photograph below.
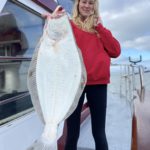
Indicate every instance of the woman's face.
{"type": "Point", "coordinates": [86, 8]}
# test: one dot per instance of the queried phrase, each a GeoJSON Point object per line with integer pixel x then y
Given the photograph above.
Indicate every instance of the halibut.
{"type": "Point", "coordinates": [56, 79]}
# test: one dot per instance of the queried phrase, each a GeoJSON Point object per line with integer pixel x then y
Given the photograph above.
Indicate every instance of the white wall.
{"type": "Point", "coordinates": [2, 3]}
{"type": "Point", "coordinates": [20, 133]}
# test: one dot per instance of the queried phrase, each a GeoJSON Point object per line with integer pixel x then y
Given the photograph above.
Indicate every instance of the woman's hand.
{"type": "Point", "coordinates": [97, 21]}
{"type": "Point", "coordinates": [57, 13]}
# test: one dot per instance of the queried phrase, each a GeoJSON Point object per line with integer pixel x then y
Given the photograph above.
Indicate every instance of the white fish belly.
{"type": "Point", "coordinates": [56, 79]}
{"type": "Point", "coordinates": [59, 71]}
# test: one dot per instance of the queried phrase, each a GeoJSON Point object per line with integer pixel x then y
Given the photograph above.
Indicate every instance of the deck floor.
{"type": "Point", "coordinates": [118, 126]}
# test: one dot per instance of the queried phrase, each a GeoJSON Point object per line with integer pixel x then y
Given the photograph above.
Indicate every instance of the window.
{"type": "Point", "coordinates": [20, 30]}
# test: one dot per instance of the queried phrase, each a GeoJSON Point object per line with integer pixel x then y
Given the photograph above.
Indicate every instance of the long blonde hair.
{"type": "Point", "coordinates": [88, 24]}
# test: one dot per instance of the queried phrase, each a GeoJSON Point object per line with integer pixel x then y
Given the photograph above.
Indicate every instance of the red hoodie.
{"type": "Point", "coordinates": [96, 52]}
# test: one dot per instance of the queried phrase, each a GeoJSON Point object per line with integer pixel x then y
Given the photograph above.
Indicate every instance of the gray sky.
{"type": "Point", "coordinates": [129, 21]}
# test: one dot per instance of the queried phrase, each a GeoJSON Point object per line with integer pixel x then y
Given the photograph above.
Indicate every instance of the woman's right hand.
{"type": "Point", "coordinates": [57, 13]}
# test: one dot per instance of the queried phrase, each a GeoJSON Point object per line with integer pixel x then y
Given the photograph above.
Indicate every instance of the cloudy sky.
{"type": "Point", "coordinates": [129, 21]}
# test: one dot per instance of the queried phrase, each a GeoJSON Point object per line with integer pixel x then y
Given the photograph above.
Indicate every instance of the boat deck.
{"type": "Point", "coordinates": [118, 126]}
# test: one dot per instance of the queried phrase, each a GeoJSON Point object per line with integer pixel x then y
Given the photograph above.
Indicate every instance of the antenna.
{"type": "Point", "coordinates": [135, 61]}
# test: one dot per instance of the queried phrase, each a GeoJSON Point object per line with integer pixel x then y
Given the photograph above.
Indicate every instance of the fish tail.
{"type": "Point", "coordinates": [43, 145]}
{"type": "Point", "coordinates": [48, 140]}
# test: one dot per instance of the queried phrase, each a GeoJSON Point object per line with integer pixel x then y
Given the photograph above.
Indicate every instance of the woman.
{"type": "Point", "coordinates": [97, 46]}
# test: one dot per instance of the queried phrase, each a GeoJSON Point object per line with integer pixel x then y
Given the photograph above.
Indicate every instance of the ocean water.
{"type": "Point", "coordinates": [125, 85]}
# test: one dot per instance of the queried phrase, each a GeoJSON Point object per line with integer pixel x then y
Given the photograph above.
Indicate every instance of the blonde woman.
{"type": "Point", "coordinates": [97, 46]}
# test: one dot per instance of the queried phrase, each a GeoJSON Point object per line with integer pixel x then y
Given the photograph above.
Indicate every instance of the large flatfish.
{"type": "Point", "coordinates": [56, 79]}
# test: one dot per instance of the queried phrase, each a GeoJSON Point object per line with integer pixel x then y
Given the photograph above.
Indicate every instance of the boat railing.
{"type": "Point", "coordinates": [131, 81]}
{"type": "Point", "coordinates": [132, 89]}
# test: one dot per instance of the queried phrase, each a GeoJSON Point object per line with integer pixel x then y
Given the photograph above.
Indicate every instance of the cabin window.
{"type": "Point", "coordinates": [20, 30]}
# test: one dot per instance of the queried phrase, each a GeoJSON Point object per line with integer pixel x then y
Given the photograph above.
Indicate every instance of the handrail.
{"type": "Point", "coordinates": [16, 58]}
{"type": "Point", "coordinates": [128, 77]}
{"type": "Point", "coordinates": [141, 92]}
{"type": "Point", "coordinates": [14, 98]}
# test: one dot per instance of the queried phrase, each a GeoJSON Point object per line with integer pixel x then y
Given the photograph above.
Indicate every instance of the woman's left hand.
{"type": "Point", "coordinates": [97, 20]}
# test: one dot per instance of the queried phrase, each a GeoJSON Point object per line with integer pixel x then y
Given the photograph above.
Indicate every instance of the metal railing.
{"type": "Point", "coordinates": [132, 80]}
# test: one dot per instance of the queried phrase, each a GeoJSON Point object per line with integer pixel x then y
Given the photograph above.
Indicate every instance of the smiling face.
{"type": "Point", "coordinates": [86, 8]}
